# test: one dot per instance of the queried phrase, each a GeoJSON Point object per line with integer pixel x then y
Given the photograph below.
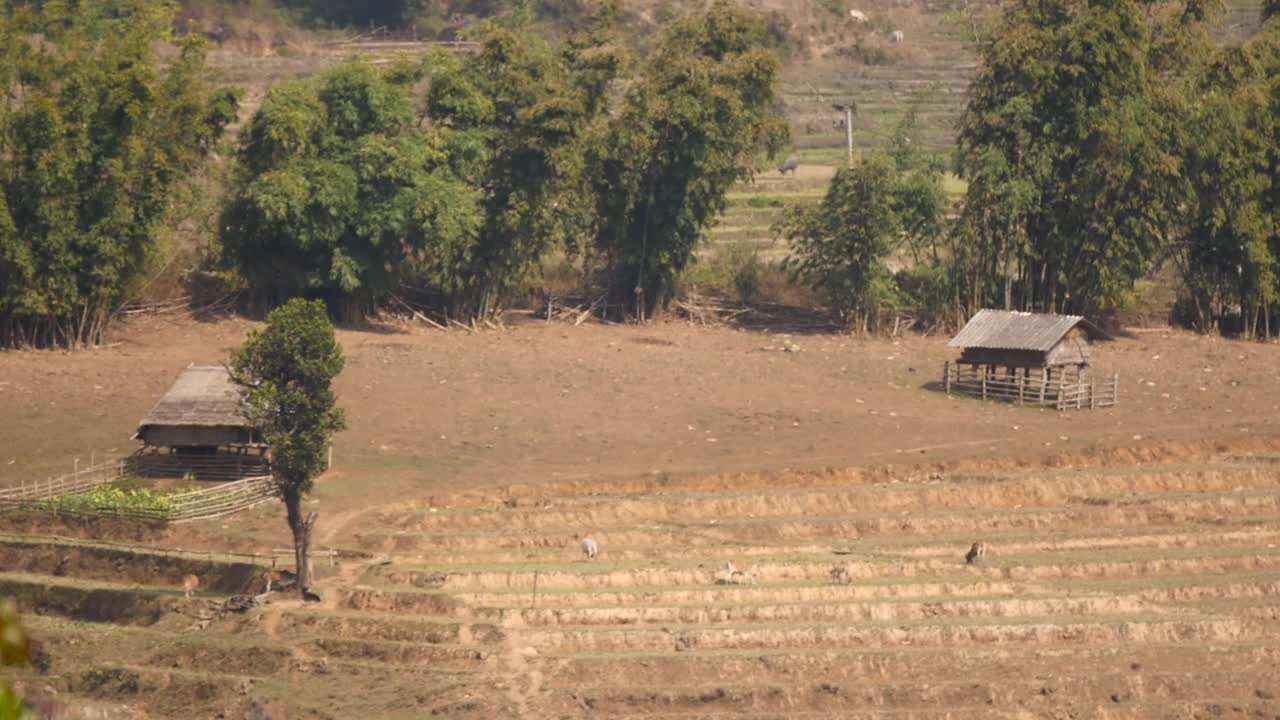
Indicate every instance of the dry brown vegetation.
{"type": "Point", "coordinates": [1131, 569]}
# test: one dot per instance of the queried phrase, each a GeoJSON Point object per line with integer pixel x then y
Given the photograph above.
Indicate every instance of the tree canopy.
{"type": "Point", "coordinates": [1065, 119]}
{"type": "Point", "coordinates": [525, 111]}
{"type": "Point", "coordinates": [96, 135]}
{"type": "Point", "coordinates": [890, 202]}
{"type": "Point", "coordinates": [704, 106]}
{"type": "Point", "coordinates": [339, 188]}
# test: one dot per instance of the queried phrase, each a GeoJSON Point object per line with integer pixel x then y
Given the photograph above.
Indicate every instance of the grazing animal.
{"type": "Point", "coordinates": [737, 573]}
{"type": "Point", "coordinates": [789, 165]}
{"type": "Point", "coordinates": [840, 575]}
{"type": "Point", "coordinates": [189, 584]}
{"type": "Point", "coordinates": [977, 553]}
{"type": "Point", "coordinates": [589, 549]}
{"type": "Point", "coordinates": [896, 36]}
{"type": "Point", "coordinates": [857, 16]}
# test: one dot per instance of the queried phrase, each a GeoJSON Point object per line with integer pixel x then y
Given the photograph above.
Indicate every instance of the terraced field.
{"type": "Point", "coordinates": [1111, 589]}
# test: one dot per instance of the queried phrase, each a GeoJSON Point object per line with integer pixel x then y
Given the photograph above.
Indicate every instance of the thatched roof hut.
{"type": "Point", "coordinates": [202, 409]}
{"type": "Point", "coordinates": [1026, 340]}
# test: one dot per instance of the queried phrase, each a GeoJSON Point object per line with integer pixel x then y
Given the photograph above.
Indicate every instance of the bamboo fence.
{"type": "Point", "coordinates": [223, 499]}
{"type": "Point", "coordinates": [1061, 393]}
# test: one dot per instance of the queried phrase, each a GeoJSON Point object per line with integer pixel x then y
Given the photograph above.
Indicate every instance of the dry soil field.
{"type": "Point", "coordinates": [1132, 572]}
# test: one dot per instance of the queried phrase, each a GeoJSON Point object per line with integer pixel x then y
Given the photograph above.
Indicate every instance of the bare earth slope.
{"type": "Point", "coordinates": [1112, 588]}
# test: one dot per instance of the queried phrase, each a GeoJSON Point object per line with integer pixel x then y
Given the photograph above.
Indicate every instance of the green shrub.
{"type": "Point", "coordinates": [928, 290]}
{"type": "Point", "coordinates": [114, 497]}
{"type": "Point", "coordinates": [760, 202]}
{"type": "Point", "coordinates": [734, 270]}
{"type": "Point", "coordinates": [747, 271]}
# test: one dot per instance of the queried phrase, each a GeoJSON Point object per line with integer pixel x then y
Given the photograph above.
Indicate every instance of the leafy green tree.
{"type": "Point", "coordinates": [839, 247]}
{"type": "Point", "coordinates": [919, 198]}
{"type": "Point", "coordinates": [96, 135]}
{"type": "Point", "coordinates": [705, 105]}
{"type": "Point", "coordinates": [1067, 143]}
{"type": "Point", "coordinates": [890, 203]}
{"type": "Point", "coordinates": [530, 107]}
{"type": "Point", "coordinates": [285, 374]}
{"type": "Point", "coordinates": [338, 189]}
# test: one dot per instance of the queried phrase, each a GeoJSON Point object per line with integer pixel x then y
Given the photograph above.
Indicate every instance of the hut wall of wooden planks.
{"type": "Point", "coordinates": [1063, 388]}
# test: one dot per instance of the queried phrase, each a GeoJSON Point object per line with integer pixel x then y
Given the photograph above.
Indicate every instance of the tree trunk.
{"type": "Point", "coordinates": [301, 540]}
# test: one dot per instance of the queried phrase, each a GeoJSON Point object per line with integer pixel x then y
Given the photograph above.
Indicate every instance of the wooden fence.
{"type": "Point", "coordinates": [1061, 393]}
{"type": "Point", "coordinates": [80, 481]}
{"type": "Point", "coordinates": [223, 499]}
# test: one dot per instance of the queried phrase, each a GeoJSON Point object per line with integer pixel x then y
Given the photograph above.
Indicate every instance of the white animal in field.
{"type": "Point", "coordinates": [858, 16]}
{"type": "Point", "coordinates": [977, 553]}
{"type": "Point", "coordinates": [840, 574]}
{"type": "Point", "coordinates": [189, 584]}
{"type": "Point", "coordinates": [896, 36]}
{"type": "Point", "coordinates": [738, 573]}
{"type": "Point", "coordinates": [589, 549]}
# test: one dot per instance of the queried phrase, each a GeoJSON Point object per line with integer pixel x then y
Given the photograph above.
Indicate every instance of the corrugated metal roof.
{"type": "Point", "coordinates": [202, 395]}
{"type": "Point", "coordinates": [1005, 330]}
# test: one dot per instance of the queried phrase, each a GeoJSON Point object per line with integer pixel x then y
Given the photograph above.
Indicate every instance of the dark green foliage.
{"type": "Point", "coordinates": [1270, 9]}
{"type": "Point", "coordinates": [339, 189]}
{"type": "Point", "coordinates": [1065, 143]}
{"type": "Point", "coordinates": [839, 247]}
{"type": "Point", "coordinates": [889, 203]}
{"type": "Point", "coordinates": [96, 136]}
{"type": "Point", "coordinates": [524, 111]}
{"type": "Point", "coordinates": [705, 104]}
{"type": "Point", "coordinates": [1229, 256]}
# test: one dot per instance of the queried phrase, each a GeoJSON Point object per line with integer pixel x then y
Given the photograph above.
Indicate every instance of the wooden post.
{"type": "Point", "coordinates": [329, 463]}
{"type": "Point", "coordinates": [534, 604]}
{"type": "Point", "coordinates": [1044, 383]}
{"type": "Point", "coordinates": [946, 376]}
{"type": "Point", "coordinates": [1115, 389]}
{"type": "Point", "coordinates": [1093, 393]}
{"type": "Point", "coordinates": [1022, 383]}
{"type": "Point", "coordinates": [984, 382]}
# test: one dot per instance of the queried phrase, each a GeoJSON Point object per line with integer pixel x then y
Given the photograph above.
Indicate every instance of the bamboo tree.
{"type": "Point", "coordinates": [96, 135]}
{"type": "Point", "coordinates": [704, 106]}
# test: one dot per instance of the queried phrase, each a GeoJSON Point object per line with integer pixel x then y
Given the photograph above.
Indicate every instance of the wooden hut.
{"type": "Point", "coordinates": [1019, 353]}
{"type": "Point", "coordinates": [199, 429]}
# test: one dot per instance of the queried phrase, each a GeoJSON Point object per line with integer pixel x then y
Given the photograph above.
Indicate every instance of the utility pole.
{"type": "Point", "coordinates": [848, 109]}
